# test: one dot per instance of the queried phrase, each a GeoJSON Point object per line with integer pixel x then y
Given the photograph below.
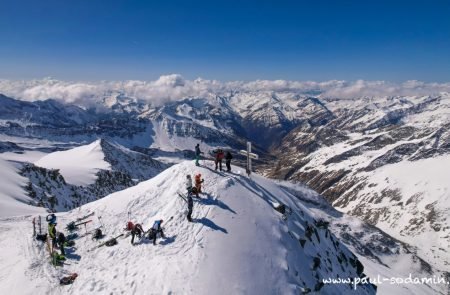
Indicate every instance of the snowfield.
{"type": "Point", "coordinates": [237, 244]}
{"type": "Point", "coordinates": [13, 199]}
{"type": "Point", "coordinates": [426, 183]}
{"type": "Point", "coordinates": [79, 165]}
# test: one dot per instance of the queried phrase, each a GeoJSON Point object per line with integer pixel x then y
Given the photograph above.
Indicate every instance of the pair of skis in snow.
{"type": "Point", "coordinates": [112, 241]}
{"type": "Point", "coordinates": [79, 221]}
{"type": "Point", "coordinates": [85, 216]}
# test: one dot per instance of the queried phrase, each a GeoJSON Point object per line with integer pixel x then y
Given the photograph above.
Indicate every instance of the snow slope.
{"type": "Point", "coordinates": [423, 196]}
{"type": "Point", "coordinates": [382, 255]}
{"type": "Point", "coordinates": [78, 165]}
{"type": "Point", "coordinates": [238, 244]}
{"type": "Point", "coordinates": [13, 199]}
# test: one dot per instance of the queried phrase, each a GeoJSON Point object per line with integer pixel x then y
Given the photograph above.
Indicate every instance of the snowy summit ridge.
{"type": "Point", "coordinates": [238, 242]}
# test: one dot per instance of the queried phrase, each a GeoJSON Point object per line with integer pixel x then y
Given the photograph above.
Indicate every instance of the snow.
{"type": "Point", "coordinates": [172, 142]}
{"type": "Point", "coordinates": [79, 165]}
{"type": "Point", "coordinates": [430, 178]}
{"type": "Point", "coordinates": [13, 199]}
{"type": "Point", "coordinates": [398, 262]}
{"type": "Point", "coordinates": [238, 243]}
{"type": "Point", "coordinates": [25, 156]}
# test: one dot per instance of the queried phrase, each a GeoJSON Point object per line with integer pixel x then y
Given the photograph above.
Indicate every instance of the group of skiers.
{"type": "Point", "coordinates": [219, 155]}
{"type": "Point", "coordinates": [196, 189]}
{"type": "Point", "coordinates": [193, 189]}
{"type": "Point", "coordinates": [58, 239]}
{"type": "Point", "coordinates": [137, 231]}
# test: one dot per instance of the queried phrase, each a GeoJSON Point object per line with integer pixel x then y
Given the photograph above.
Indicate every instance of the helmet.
{"type": "Point", "coordinates": [51, 218]}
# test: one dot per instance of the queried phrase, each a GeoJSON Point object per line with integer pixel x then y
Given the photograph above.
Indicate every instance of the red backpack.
{"type": "Point", "coordinates": [130, 225]}
{"type": "Point", "coordinates": [220, 155]}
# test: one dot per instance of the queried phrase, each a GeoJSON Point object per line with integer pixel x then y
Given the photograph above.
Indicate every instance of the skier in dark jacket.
{"type": "Point", "coordinates": [188, 183]}
{"type": "Point", "coordinates": [137, 230]}
{"type": "Point", "coordinates": [197, 154]}
{"type": "Point", "coordinates": [218, 158]}
{"type": "Point", "coordinates": [228, 158]}
{"type": "Point", "coordinates": [155, 230]}
{"type": "Point", "coordinates": [190, 204]}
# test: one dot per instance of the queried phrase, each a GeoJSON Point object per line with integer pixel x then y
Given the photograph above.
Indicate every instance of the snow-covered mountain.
{"type": "Point", "coordinates": [80, 165]}
{"type": "Point", "coordinates": [215, 121]}
{"type": "Point", "coordinates": [58, 122]}
{"type": "Point", "coordinates": [64, 180]}
{"type": "Point", "coordinates": [13, 198]}
{"type": "Point", "coordinates": [238, 243]}
{"type": "Point", "coordinates": [385, 161]}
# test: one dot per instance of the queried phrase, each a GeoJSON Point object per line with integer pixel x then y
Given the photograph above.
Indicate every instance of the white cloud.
{"type": "Point", "coordinates": [174, 87]}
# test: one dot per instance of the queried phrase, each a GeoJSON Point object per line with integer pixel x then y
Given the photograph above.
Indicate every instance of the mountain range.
{"type": "Point", "coordinates": [379, 165]}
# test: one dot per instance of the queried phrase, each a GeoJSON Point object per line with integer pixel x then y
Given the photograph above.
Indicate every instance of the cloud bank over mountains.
{"type": "Point", "coordinates": [174, 87]}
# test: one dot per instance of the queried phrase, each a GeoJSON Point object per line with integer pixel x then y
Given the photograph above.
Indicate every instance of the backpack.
{"type": "Point", "coordinates": [41, 237]}
{"type": "Point", "coordinates": [156, 225]}
{"type": "Point", "coordinates": [57, 259]}
{"type": "Point", "coordinates": [130, 225]}
{"type": "Point", "coordinates": [220, 155]}
{"type": "Point", "coordinates": [68, 280]}
{"type": "Point", "coordinates": [97, 234]}
{"type": "Point", "coordinates": [70, 243]}
{"type": "Point", "coordinates": [61, 238]}
{"type": "Point", "coordinates": [71, 226]}
{"type": "Point", "coordinates": [111, 242]}
{"type": "Point", "coordinates": [72, 236]}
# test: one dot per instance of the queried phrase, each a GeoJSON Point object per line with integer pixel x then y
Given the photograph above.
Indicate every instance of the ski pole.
{"type": "Point", "coordinates": [34, 227]}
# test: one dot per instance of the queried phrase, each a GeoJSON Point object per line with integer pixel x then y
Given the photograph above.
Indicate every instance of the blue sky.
{"type": "Point", "coordinates": [225, 40]}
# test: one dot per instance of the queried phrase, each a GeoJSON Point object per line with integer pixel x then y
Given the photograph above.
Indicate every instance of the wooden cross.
{"type": "Point", "coordinates": [248, 153]}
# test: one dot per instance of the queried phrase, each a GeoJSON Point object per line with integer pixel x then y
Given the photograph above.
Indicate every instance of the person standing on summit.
{"type": "Point", "coordinates": [190, 204]}
{"type": "Point", "coordinates": [197, 154]}
{"type": "Point", "coordinates": [188, 183]}
{"type": "Point", "coordinates": [198, 184]}
{"type": "Point", "coordinates": [218, 158]}
{"type": "Point", "coordinates": [228, 158]}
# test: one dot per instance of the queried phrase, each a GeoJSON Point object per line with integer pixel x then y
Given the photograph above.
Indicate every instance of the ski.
{"type": "Point", "coordinates": [76, 236]}
{"type": "Point", "coordinates": [72, 225]}
{"type": "Point", "coordinates": [182, 196]}
{"type": "Point", "coordinates": [34, 227]}
{"type": "Point", "coordinates": [104, 243]}
{"type": "Point", "coordinates": [84, 217]}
